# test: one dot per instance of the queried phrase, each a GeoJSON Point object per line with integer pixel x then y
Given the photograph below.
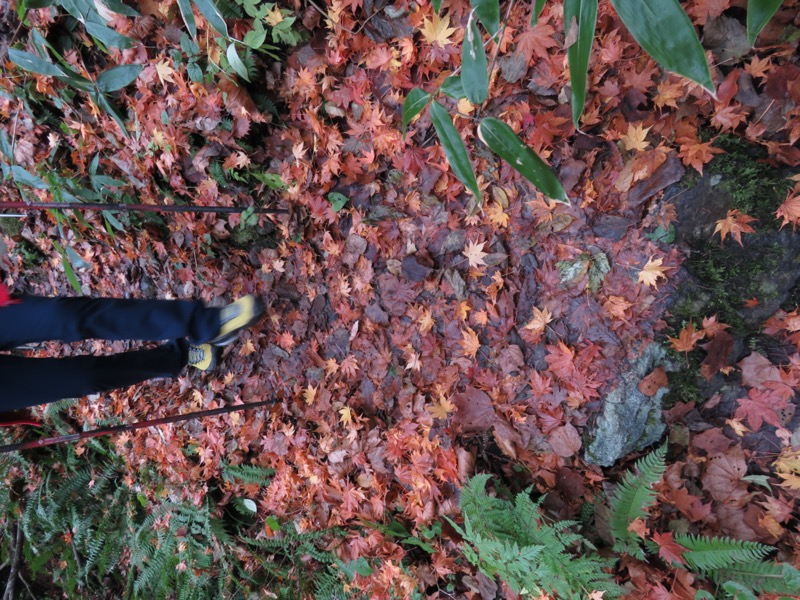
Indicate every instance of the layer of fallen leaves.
{"type": "Point", "coordinates": [408, 341]}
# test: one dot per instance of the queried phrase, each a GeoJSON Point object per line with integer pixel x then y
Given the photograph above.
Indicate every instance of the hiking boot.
{"type": "Point", "coordinates": [235, 317]}
{"type": "Point", "coordinates": [202, 357]}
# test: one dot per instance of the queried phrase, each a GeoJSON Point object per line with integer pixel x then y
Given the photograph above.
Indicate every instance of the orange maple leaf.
{"type": "Point", "coordinates": [695, 154]}
{"type": "Point", "coordinates": [634, 139]}
{"type": "Point", "coordinates": [789, 211]}
{"type": "Point", "coordinates": [437, 30]}
{"type": "Point", "coordinates": [652, 272]}
{"type": "Point", "coordinates": [540, 320]}
{"type": "Point", "coordinates": [442, 408]}
{"type": "Point", "coordinates": [735, 223]}
{"type": "Point", "coordinates": [470, 344]}
{"type": "Point", "coordinates": [475, 254]}
{"type": "Point", "coordinates": [687, 339]}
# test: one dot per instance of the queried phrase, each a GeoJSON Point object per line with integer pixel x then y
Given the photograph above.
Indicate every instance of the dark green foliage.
{"type": "Point", "coordinates": [514, 541]}
{"type": "Point", "coordinates": [632, 498]}
{"type": "Point", "coordinates": [284, 556]}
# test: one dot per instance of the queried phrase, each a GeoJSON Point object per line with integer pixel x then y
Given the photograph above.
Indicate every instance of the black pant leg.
{"type": "Point", "coordinates": [36, 319]}
{"type": "Point", "coordinates": [30, 381]}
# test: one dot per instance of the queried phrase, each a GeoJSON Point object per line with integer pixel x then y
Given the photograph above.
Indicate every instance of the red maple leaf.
{"type": "Point", "coordinates": [760, 406]}
{"type": "Point", "coordinates": [668, 549]}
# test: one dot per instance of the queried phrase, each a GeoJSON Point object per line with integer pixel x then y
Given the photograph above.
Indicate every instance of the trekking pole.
{"type": "Point", "coordinates": [93, 433]}
{"type": "Point", "coordinates": [173, 208]}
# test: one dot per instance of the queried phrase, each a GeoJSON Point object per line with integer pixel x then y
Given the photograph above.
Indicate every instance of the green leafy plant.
{"type": "Point", "coordinates": [661, 27]}
{"type": "Point", "coordinates": [284, 556]}
{"type": "Point", "coordinates": [736, 566]}
{"type": "Point", "coordinates": [513, 540]}
{"type": "Point", "coordinates": [87, 13]}
{"type": "Point", "coordinates": [108, 81]}
{"type": "Point", "coordinates": [268, 20]}
{"type": "Point", "coordinates": [632, 498]}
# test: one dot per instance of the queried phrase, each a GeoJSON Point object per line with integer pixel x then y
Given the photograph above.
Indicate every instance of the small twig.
{"type": "Point", "coordinates": [27, 587]}
{"type": "Point", "coordinates": [12, 577]}
{"type": "Point", "coordinates": [342, 27]}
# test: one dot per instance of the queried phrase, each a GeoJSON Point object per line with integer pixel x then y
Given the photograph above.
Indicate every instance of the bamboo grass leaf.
{"type": "Point", "coordinates": [759, 12]}
{"type": "Point", "coordinates": [474, 68]}
{"type": "Point", "coordinates": [454, 148]}
{"type": "Point", "coordinates": [488, 12]}
{"type": "Point", "coordinates": [582, 15]}
{"type": "Point", "coordinates": [503, 141]}
{"type": "Point", "coordinates": [415, 103]}
{"type": "Point", "coordinates": [664, 31]}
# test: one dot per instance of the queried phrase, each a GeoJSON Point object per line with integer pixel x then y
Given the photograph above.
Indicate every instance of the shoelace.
{"type": "Point", "coordinates": [196, 355]}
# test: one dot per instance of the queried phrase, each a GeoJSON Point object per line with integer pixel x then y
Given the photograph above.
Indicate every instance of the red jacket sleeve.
{"type": "Point", "coordinates": [5, 296]}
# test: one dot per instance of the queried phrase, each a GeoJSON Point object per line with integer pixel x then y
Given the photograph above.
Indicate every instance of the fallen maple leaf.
{"type": "Point", "coordinates": [475, 254]}
{"type": "Point", "coordinates": [687, 339]}
{"type": "Point", "coordinates": [735, 223]}
{"type": "Point", "coordinates": [346, 415]}
{"type": "Point", "coordinates": [310, 394]}
{"type": "Point", "coordinates": [634, 139]}
{"type": "Point", "coordinates": [437, 30]}
{"type": "Point", "coordinates": [789, 211]}
{"type": "Point", "coordinates": [540, 320]}
{"type": "Point", "coordinates": [470, 344]}
{"type": "Point", "coordinates": [165, 71]}
{"type": "Point", "coordinates": [668, 549]}
{"type": "Point", "coordinates": [442, 408]}
{"type": "Point", "coordinates": [652, 272]}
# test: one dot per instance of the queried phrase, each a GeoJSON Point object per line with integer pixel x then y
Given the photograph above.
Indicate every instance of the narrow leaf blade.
{"type": "Point", "coordinates": [453, 87]}
{"type": "Point", "coordinates": [108, 36]}
{"type": "Point", "coordinates": [415, 103]}
{"type": "Point", "coordinates": [488, 12]}
{"type": "Point", "coordinates": [236, 62]}
{"type": "Point", "coordinates": [759, 12]}
{"type": "Point", "coordinates": [474, 68]}
{"type": "Point", "coordinates": [212, 14]}
{"type": "Point", "coordinates": [33, 63]}
{"type": "Point", "coordinates": [584, 13]}
{"type": "Point", "coordinates": [188, 17]}
{"type": "Point", "coordinates": [504, 142]}
{"type": "Point", "coordinates": [437, 5]}
{"type": "Point", "coordinates": [454, 148]}
{"type": "Point", "coordinates": [25, 177]}
{"type": "Point", "coordinates": [117, 78]}
{"type": "Point", "coordinates": [664, 31]}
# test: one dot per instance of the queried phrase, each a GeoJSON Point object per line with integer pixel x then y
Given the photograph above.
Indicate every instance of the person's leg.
{"type": "Point", "coordinates": [30, 381]}
{"type": "Point", "coordinates": [36, 319]}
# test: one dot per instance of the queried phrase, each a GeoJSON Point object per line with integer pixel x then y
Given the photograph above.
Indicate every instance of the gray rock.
{"type": "Point", "coordinates": [629, 421]}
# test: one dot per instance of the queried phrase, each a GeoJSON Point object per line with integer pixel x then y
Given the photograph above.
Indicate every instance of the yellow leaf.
{"type": "Point", "coordinates": [310, 394]}
{"type": "Point", "coordinates": [470, 342]}
{"type": "Point", "coordinates": [437, 30]}
{"type": "Point", "coordinates": [274, 17]}
{"type": "Point", "coordinates": [635, 138]}
{"type": "Point", "coordinates": [496, 215]}
{"type": "Point", "coordinates": [652, 272]}
{"type": "Point", "coordinates": [738, 427]}
{"type": "Point", "coordinates": [247, 348]}
{"type": "Point", "coordinates": [165, 71]}
{"type": "Point", "coordinates": [346, 415]}
{"type": "Point", "coordinates": [540, 320]}
{"type": "Point", "coordinates": [442, 408]}
{"type": "Point", "coordinates": [465, 106]}
{"type": "Point", "coordinates": [425, 320]}
{"type": "Point", "coordinates": [475, 254]}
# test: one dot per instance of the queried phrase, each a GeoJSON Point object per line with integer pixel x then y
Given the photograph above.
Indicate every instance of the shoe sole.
{"type": "Point", "coordinates": [229, 338]}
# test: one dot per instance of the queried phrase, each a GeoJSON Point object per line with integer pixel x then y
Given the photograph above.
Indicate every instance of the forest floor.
{"type": "Point", "coordinates": [412, 338]}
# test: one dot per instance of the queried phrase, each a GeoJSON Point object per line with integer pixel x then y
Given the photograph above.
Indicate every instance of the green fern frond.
{"type": "Point", "coordinates": [515, 542]}
{"type": "Point", "coordinates": [635, 495]}
{"type": "Point", "coordinates": [704, 554]}
{"type": "Point", "coordinates": [762, 577]}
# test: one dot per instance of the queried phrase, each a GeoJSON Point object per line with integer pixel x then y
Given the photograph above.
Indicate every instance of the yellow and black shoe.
{"type": "Point", "coordinates": [202, 357]}
{"type": "Point", "coordinates": [237, 316]}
